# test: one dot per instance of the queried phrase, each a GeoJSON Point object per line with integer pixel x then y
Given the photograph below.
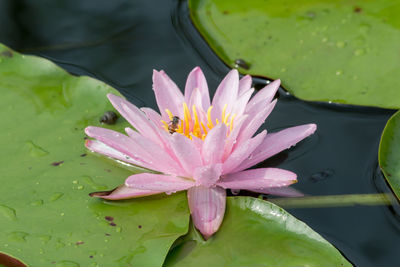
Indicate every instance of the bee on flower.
{"type": "Point", "coordinates": [198, 145]}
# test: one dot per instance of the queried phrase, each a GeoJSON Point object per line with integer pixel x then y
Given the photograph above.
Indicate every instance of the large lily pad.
{"type": "Point", "coordinates": [339, 51]}
{"type": "Point", "coordinates": [46, 215]}
{"type": "Point", "coordinates": [389, 153]}
{"type": "Point", "coordinates": [256, 233]}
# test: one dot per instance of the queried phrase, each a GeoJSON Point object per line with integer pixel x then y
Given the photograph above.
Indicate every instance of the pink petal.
{"type": "Point", "coordinates": [213, 146]}
{"type": "Point", "coordinates": [196, 80]}
{"type": "Point", "coordinates": [121, 143]}
{"type": "Point", "coordinates": [158, 182]}
{"type": "Point", "coordinates": [195, 100]}
{"type": "Point", "coordinates": [197, 142]}
{"type": "Point", "coordinates": [232, 137]}
{"type": "Point", "coordinates": [276, 142]}
{"type": "Point", "coordinates": [157, 155]}
{"type": "Point", "coordinates": [226, 93]}
{"type": "Point", "coordinates": [152, 115]}
{"type": "Point", "coordinates": [241, 102]}
{"type": "Point", "coordinates": [207, 175]}
{"type": "Point", "coordinates": [258, 179]}
{"type": "Point", "coordinates": [254, 122]}
{"type": "Point", "coordinates": [244, 84]}
{"type": "Point", "coordinates": [242, 152]}
{"type": "Point", "coordinates": [207, 207]}
{"type": "Point", "coordinates": [101, 148]}
{"type": "Point", "coordinates": [136, 118]}
{"type": "Point", "coordinates": [123, 192]}
{"type": "Point", "coordinates": [167, 94]}
{"type": "Point", "coordinates": [284, 191]}
{"type": "Point", "coordinates": [265, 95]}
{"type": "Point", "coordinates": [186, 152]}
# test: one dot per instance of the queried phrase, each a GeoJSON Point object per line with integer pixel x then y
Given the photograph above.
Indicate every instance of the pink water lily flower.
{"type": "Point", "coordinates": [200, 146]}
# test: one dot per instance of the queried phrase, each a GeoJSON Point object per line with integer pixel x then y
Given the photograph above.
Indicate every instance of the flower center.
{"type": "Point", "coordinates": [195, 122]}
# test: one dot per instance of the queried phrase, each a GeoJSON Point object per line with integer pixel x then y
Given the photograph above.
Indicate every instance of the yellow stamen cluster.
{"type": "Point", "coordinates": [191, 125]}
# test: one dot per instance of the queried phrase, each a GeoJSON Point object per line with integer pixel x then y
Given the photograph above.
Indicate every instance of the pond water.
{"type": "Point", "coordinates": [121, 41]}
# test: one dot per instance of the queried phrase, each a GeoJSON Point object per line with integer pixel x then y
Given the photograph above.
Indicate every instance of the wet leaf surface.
{"type": "Point", "coordinates": [339, 51]}
{"type": "Point", "coordinates": [256, 233]}
{"type": "Point", "coordinates": [46, 215]}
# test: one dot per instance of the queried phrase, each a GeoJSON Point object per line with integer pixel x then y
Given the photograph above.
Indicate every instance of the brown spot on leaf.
{"type": "Point", "coordinates": [83, 155]}
{"type": "Point", "coordinates": [91, 256]}
{"type": "Point", "coordinates": [109, 218]}
{"type": "Point", "coordinates": [107, 234]}
{"type": "Point", "coordinates": [357, 9]}
{"type": "Point", "coordinates": [139, 226]}
{"type": "Point", "coordinates": [7, 53]}
{"type": "Point", "coordinates": [113, 224]}
{"type": "Point", "coordinates": [79, 243]}
{"type": "Point", "coordinates": [57, 163]}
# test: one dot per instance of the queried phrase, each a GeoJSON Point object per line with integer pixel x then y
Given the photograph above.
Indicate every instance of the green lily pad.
{"type": "Point", "coordinates": [46, 215]}
{"type": "Point", "coordinates": [256, 233]}
{"type": "Point", "coordinates": [339, 51]}
{"type": "Point", "coordinates": [389, 153]}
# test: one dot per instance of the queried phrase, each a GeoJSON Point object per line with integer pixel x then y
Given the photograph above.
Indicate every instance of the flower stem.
{"type": "Point", "coordinates": [335, 201]}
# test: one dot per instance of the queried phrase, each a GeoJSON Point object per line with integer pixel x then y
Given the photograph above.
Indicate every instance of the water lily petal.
{"type": "Point", "coordinates": [196, 80]}
{"type": "Point", "coordinates": [258, 179]}
{"type": "Point", "coordinates": [186, 151]}
{"type": "Point", "coordinates": [213, 146]}
{"type": "Point", "coordinates": [244, 84]}
{"type": "Point", "coordinates": [122, 143]}
{"type": "Point", "coordinates": [157, 182]}
{"type": "Point", "coordinates": [168, 95]}
{"type": "Point", "coordinates": [123, 192]}
{"type": "Point", "coordinates": [157, 155]}
{"type": "Point", "coordinates": [232, 137]}
{"type": "Point", "coordinates": [284, 191]}
{"type": "Point", "coordinates": [241, 102]}
{"type": "Point", "coordinates": [226, 93]}
{"type": "Point", "coordinates": [264, 96]}
{"type": "Point", "coordinates": [135, 117]}
{"type": "Point", "coordinates": [207, 207]}
{"type": "Point", "coordinates": [276, 142]}
{"type": "Point", "coordinates": [242, 152]}
{"type": "Point", "coordinates": [207, 175]}
{"type": "Point", "coordinates": [152, 115]}
{"type": "Point", "coordinates": [101, 148]}
{"type": "Point", "coordinates": [254, 122]}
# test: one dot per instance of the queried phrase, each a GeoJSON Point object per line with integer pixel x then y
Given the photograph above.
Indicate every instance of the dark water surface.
{"type": "Point", "coordinates": [121, 41]}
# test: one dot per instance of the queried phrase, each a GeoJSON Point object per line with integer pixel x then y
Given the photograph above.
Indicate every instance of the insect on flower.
{"type": "Point", "coordinates": [198, 145]}
{"type": "Point", "coordinates": [173, 124]}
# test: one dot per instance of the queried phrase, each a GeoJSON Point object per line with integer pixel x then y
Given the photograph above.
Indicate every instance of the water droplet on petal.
{"type": "Point", "coordinates": [208, 211]}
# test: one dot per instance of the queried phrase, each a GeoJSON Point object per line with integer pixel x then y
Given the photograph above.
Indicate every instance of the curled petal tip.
{"type": "Point", "coordinates": [88, 130]}
{"type": "Point", "coordinates": [109, 95]}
